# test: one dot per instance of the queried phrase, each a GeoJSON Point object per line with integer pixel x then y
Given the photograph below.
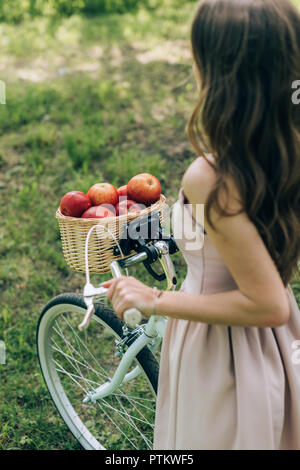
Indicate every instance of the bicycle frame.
{"type": "Point", "coordinates": [150, 333]}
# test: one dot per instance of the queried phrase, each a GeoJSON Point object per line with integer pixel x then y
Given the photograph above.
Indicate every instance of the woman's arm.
{"type": "Point", "coordinates": [231, 308]}
{"type": "Point", "coordinates": [260, 299]}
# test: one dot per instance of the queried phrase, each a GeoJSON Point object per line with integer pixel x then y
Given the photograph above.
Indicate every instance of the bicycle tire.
{"type": "Point", "coordinates": [106, 317]}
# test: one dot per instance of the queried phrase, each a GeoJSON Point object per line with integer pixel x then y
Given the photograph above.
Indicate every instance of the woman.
{"type": "Point", "coordinates": [227, 378]}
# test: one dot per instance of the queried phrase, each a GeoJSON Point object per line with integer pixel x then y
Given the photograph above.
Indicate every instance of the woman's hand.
{"type": "Point", "coordinates": [127, 292]}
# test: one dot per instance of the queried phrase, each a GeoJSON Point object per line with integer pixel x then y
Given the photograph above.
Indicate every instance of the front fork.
{"type": "Point", "coordinates": [151, 332]}
{"type": "Point", "coordinates": [121, 375]}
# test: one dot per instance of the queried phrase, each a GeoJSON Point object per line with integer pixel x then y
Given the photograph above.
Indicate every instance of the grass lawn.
{"type": "Point", "coordinates": [88, 99]}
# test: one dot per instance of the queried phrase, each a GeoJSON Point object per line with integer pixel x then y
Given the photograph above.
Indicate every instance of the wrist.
{"type": "Point", "coordinates": [156, 296]}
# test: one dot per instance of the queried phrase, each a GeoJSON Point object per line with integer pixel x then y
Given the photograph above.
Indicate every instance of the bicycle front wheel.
{"type": "Point", "coordinates": [74, 363]}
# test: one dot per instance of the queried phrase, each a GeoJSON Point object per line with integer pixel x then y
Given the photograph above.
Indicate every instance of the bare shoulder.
{"type": "Point", "coordinates": [199, 180]}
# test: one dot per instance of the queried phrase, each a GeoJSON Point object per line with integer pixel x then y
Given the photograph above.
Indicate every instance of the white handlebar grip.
{"type": "Point", "coordinates": [132, 317]}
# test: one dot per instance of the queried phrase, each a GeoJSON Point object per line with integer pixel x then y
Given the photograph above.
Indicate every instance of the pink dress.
{"type": "Point", "coordinates": [226, 387]}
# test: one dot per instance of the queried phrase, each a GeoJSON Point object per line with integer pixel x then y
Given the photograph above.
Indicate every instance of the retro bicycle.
{"type": "Point", "coordinates": [101, 372]}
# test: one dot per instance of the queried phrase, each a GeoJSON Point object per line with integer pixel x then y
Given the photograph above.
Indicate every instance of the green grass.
{"type": "Point", "coordinates": [88, 99]}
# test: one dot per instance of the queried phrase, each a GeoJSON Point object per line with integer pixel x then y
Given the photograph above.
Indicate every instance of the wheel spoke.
{"type": "Point", "coordinates": [77, 363]}
{"type": "Point", "coordinates": [71, 359]}
{"type": "Point", "coordinates": [147, 441]}
{"type": "Point", "coordinates": [71, 348]}
{"type": "Point", "coordinates": [71, 376]}
{"type": "Point", "coordinates": [137, 400]}
{"type": "Point", "coordinates": [84, 345]}
{"type": "Point", "coordinates": [132, 404]}
{"type": "Point", "coordinates": [116, 425]}
{"type": "Point", "coordinates": [76, 337]}
{"type": "Point", "coordinates": [56, 348]}
{"type": "Point", "coordinates": [125, 414]}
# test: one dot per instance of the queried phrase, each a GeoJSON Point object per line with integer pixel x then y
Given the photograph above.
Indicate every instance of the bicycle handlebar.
{"type": "Point", "coordinates": [133, 316]}
{"type": "Point", "coordinates": [158, 250]}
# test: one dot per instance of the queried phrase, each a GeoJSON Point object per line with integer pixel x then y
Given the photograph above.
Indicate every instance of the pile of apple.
{"type": "Point", "coordinates": [104, 200]}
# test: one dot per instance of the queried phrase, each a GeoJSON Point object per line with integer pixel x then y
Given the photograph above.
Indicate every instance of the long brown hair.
{"type": "Point", "coordinates": [247, 56]}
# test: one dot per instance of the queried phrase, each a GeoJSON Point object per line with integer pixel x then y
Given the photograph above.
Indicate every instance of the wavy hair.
{"type": "Point", "coordinates": [247, 56]}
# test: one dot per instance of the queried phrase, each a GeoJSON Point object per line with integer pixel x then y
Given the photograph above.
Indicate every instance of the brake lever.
{"type": "Point", "coordinates": [89, 293]}
{"type": "Point", "coordinates": [155, 275]}
{"type": "Point", "coordinates": [89, 313]}
{"type": "Point", "coordinates": [167, 264]}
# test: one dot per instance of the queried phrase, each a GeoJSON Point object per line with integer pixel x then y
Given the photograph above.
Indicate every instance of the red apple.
{"type": "Point", "coordinates": [103, 193]}
{"type": "Point", "coordinates": [136, 208]}
{"type": "Point", "coordinates": [122, 191]}
{"type": "Point", "coordinates": [98, 212]}
{"type": "Point", "coordinates": [74, 203]}
{"type": "Point", "coordinates": [126, 206]}
{"type": "Point", "coordinates": [144, 188]}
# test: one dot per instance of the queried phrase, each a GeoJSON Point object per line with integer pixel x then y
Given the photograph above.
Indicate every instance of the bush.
{"type": "Point", "coordinates": [97, 6]}
{"type": "Point", "coordinates": [67, 7]}
{"type": "Point", "coordinates": [15, 12]}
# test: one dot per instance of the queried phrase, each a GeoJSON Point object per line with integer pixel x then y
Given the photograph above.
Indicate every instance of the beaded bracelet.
{"type": "Point", "coordinates": [156, 296]}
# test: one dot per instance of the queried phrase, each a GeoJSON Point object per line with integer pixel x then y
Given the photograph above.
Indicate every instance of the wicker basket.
{"type": "Point", "coordinates": [74, 232]}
